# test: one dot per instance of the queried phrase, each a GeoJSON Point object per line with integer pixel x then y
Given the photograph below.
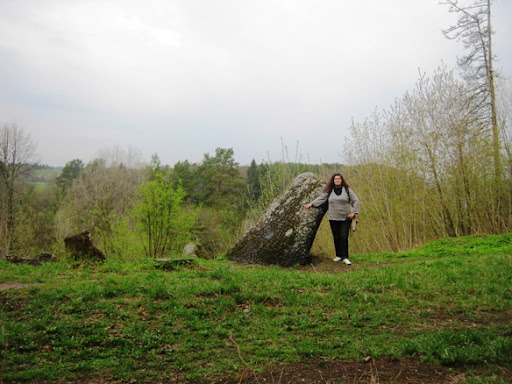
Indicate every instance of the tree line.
{"type": "Point", "coordinates": [132, 209]}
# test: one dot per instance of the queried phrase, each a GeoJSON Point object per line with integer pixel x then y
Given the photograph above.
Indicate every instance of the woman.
{"type": "Point", "coordinates": [340, 197]}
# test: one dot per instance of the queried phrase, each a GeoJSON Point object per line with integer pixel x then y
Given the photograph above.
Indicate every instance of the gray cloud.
{"type": "Point", "coordinates": [182, 78]}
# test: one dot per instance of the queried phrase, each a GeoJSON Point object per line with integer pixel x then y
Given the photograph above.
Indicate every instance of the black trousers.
{"type": "Point", "coordinates": [340, 231]}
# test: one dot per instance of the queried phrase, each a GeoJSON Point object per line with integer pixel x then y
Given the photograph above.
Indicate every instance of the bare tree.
{"type": "Point", "coordinates": [425, 168]}
{"type": "Point", "coordinates": [474, 29]}
{"type": "Point", "coordinates": [16, 152]}
{"type": "Point", "coordinates": [505, 118]}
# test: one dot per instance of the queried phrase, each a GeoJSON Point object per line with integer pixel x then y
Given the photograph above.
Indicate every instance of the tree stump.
{"type": "Point", "coordinates": [286, 231]}
{"type": "Point", "coordinates": [80, 247]}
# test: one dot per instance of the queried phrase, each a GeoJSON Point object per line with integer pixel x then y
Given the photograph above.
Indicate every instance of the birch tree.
{"type": "Point", "coordinates": [474, 29]}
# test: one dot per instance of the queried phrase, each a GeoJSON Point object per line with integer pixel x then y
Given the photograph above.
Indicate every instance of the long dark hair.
{"type": "Point", "coordinates": [330, 185]}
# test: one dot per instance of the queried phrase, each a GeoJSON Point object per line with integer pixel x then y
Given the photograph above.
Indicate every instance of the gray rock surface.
{"type": "Point", "coordinates": [286, 231]}
{"type": "Point", "coordinates": [195, 249]}
{"type": "Point", "coordinates": [190, 249]}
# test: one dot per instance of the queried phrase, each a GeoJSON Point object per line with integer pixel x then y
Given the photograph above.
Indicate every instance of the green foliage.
{"type": "Point", "coordinates": [125, 241]}
{"type": "Point", "coordinates": [163, 223]}
{"type": "Point", "coordinates": [127, 320]}
{"type": "Point", "coordinates": [217, 187]}
{"type": "Point", "coordinates": [35, 229]}
{"type": "Point", "coordinates": [69, 173]}
{"type": "Point", "coordinates": [220, 182]}
{"type": "Point", "coordinates": [185, 173]}
{"type": "Point", "coordinates": [97, 199]}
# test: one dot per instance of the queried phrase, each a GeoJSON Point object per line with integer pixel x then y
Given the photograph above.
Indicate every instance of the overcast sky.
{"type": "Point", "coordinates": [182, 77]}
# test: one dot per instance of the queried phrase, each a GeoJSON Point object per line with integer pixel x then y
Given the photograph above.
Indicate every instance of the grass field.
{"type": "Point", "coordinates": [440, 313]}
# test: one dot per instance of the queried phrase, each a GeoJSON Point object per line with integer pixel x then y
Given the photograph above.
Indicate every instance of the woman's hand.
{"type": "Point", "coordinates": [308, 205]}
{"type": "Point", "coordinates": [351, 216]}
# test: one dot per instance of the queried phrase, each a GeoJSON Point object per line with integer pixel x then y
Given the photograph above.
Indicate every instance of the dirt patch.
{"type": "Point", "coordinates": [375, 371]}
{"type": "Point", "coordinates": [5, 286]}
{"type": "Point", "coordinates": [446, 320]}
{"type": "Point", "coordinates": [383, 370]}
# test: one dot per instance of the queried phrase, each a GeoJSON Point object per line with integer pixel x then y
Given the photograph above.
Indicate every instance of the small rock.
{"type": "Point", "coordinates": [190, 249]}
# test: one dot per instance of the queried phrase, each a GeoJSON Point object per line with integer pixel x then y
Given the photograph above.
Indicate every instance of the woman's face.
{"type": "Point", "coordinates": [337, 181]}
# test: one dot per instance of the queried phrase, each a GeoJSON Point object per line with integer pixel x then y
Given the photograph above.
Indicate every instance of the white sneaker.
{"type": "Point", "coordinates": [336, 258]}
{"type": "Point", "coordinates": [347, 261]}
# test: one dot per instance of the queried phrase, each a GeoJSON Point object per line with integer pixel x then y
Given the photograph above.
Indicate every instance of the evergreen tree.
{"type": "Point", "coordinates": [220, 182]}
{"type": "Point", "coordinates": [69, 173]}
{"type": "Point", "coordinates": [253, 181]}
{"type": "Point", "coordinates": [186, 174]}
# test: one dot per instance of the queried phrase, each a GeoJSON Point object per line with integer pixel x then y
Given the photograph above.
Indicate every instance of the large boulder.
{"type": "Point", "coordinates": [81, 247]}
{"type": "Point", "coordinates": [286, 231]}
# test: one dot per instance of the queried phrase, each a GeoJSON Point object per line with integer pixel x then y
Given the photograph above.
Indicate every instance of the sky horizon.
{"type": "Point", "coordinates": [181, 79]}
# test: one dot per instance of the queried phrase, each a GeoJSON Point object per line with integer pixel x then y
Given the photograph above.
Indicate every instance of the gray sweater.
{"type": "Point", "coordinates": [338, 205]}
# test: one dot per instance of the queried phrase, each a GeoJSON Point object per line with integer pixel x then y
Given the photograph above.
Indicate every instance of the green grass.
{"type": "Point", "coordinates": [448, 303]}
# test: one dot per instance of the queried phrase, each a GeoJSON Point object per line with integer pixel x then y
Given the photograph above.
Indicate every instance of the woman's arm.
{"type": "Point", "coordinates": [354, 200]}
{"type": "Point", "coordinates": [318, 201]}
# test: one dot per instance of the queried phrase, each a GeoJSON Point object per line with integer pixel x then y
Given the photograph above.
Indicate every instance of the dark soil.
{"type": "Point", "coordinates": [374, 371]}
{"type": "Point", "coordinates": [324, 264]}
{"type": "Point", "coordinates": [384, 370]}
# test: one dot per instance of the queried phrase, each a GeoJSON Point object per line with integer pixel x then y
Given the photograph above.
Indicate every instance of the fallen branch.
{"type": "Point", "coordinates": [247, 366]}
